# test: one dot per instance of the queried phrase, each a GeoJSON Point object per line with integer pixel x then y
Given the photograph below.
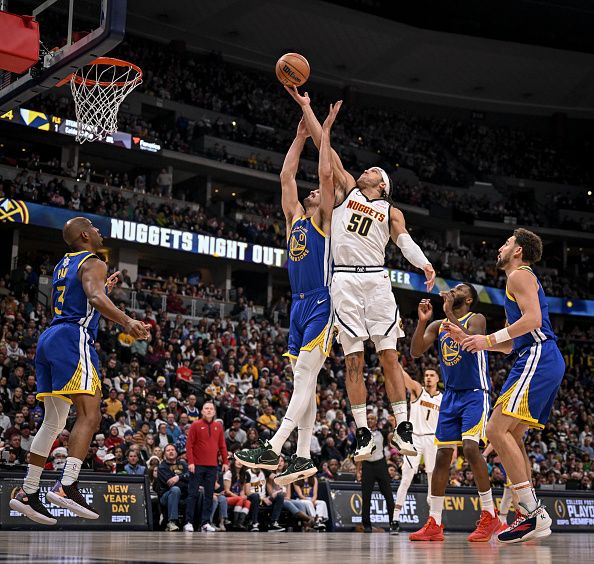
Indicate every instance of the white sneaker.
{"type": "Point", "coordinates": [255, 528]}
{"type": "Point", "coordinates": [208, 528]}
{"type": "Point", "coordinates": [188, 528]}
{"type": "Point", "coordinates": [402, 439]}
{"type": "Point", "coordinates": [365, 444]}
{"type": "Point", "coordinates": [171, 526]}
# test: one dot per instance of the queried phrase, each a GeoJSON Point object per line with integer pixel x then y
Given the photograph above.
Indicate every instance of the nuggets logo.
{"type": "Point", "coordinates": [298, 244]}
{"type": "Point", "coordinates": [14, 210]}
{"type": "Point", "coordinates": [450, 352]}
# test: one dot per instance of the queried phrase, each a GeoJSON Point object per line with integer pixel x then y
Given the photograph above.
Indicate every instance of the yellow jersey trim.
{"type": "Point", "coordinates": [76, 253]}
{"type": "Point", "coordinates": [319, 342]}
{"type": "Point", "coordinates": [317, 228]}
{"type": "Point", "coordinates": [444, 443]}
{"type": "Point", "coordinates": [92, 255]}
{"type": "Point", "coordinates": [509, 296]}
{"type": "Point", "coordinates": [297, 219]}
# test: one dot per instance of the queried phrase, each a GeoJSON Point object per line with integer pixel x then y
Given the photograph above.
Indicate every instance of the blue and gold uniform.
{"type": "Point", "coordinates": [66, 361]}
{"type": "Point", "coordinates": [311, 323]}
{"type": "Point", "coordinates": [533, 382]}
{"type": "Point", "coordinates": [465, 405]}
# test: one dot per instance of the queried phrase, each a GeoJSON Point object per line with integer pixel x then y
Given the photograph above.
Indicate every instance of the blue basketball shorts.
{"type": "Point", "coordinates": [66, 362]}
{"type": "Point", "coordinates": [463, 414]}
{"type": "Point", "coordinates": [533, 382]}
{"type": "Point", "coordinates": [312, 322]}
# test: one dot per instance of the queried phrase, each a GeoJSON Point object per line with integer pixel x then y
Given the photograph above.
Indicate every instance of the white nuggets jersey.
{"type": "Point", "coordinates": [424, 413]}
{"type": "Point", "coordinates": [360, 231]}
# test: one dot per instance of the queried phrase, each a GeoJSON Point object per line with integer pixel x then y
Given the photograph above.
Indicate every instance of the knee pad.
{"type": "Point", "coordinates": [351, 344]}
{"type": "Point", "coordinates": [383, 342]}
{"type": "Point", "coordinates": [54, 421]}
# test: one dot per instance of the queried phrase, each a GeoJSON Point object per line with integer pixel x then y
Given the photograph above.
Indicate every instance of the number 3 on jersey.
{"type": "Point", "coordinates": [359, 224]}
{"type": "Point", "coordinates": [60, 299]}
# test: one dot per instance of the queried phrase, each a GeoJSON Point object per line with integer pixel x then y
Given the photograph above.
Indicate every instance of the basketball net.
{"type": "Point", "coordinates": [98, 90]}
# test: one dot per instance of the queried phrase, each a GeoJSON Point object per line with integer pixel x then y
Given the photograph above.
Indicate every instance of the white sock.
{"type": "Point", "coordinates": [31, 483]}
{"type": "Point", "coordinates": [400, 411]}
{"type": "Point", "coordinates": [281, 436]}
{"type": "Point", "coordinates": [526, 495]}
{"type": "Point", "coordinates": [487, 502]}
{"type": "Point", "coordinates": [360, 415]}
{"type": "Point", "coordinates": [436, 507]}
{"type": "Point", "coordinates": [304, 442]}
{"type": "Point", "coordinates": [397, 511]}
{"type": "Point", "coordinates": [71, 470]}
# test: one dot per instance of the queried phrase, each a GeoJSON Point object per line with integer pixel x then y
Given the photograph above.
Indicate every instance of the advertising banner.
{"type": "Point", "coordinates": [65, 126]}
{"type": "Point", "coordinates": [18, 211]}
{"type": "Point", "coordinates": [122, 502]}
{"type": "Point", "coordinates": [570, 511]}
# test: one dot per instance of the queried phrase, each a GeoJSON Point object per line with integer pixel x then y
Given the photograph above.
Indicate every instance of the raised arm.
{"type": "Point", "coordinates": [412, 386]}
{"type": "Point", "coordinates": [290, 198]}
{"type": "Point", "coordinates": [410, 250]}
{"type": "Point", "coordinates": [323, 214]}
{"type": "Point", "coordinates": [92, 275]}
{"type": "Point", "coordinates": [343, 180]}
{"type": "Point", "coordinates": [425, 332]}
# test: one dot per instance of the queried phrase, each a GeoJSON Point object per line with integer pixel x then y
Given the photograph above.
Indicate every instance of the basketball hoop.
{"type": "Point", "coordinates": [98, 90]}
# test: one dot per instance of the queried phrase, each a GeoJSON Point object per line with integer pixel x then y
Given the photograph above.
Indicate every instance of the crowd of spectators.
{"type": "Point", "coordinates": [263, 223]}
{"type": "Point", "coordinates": [438, 149]}
{"type": "Point", "coordinates": [154, 390]}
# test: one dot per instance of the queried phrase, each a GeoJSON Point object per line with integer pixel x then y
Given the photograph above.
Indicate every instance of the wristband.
{"type": "Point", "coordinates": [489, 343]}
{"type": "Point", "coordinates": [501, 336]}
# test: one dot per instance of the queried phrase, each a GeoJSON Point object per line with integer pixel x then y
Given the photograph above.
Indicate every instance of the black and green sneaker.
{"type": "Point", "coordinates": [298, 469]}
{"type": "Point", "coordinates": [261, 457]}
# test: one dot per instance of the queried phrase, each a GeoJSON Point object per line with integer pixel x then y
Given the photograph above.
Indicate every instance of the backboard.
{"type": "Point", "coordinates": [72, 33]}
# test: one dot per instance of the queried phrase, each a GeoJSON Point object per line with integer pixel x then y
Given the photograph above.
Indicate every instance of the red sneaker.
{"type": "Point", "coordinates": [487, 526]}
{"type": "Point", "coordinates": [504, 527]}
{"type": "Point", "coordinates": [431, 531]}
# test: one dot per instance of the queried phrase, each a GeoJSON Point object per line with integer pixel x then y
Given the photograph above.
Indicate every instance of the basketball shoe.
{"type": "Point", "coordinates": [533, 525]}
{"type": "Point", "coordinates": [487, 526]}
{"type": "Point", "coordinates": [69, 497]}
{"type": "Point", "coordinates": [261, 457]}
{"type": "Point", "coordinates": [431, 531]}
{"type": "Point", "coordinates": [402, 439]}
{"type": "Point", "coordinates": [298, 469]}
{"type": "Point", "coordinates": [365, 444]}
{"type": "Point", "coordinates": [30, 506]}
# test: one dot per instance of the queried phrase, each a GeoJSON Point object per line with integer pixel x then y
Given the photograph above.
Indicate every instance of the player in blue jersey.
{"type": "Point", "coordinates": [311, 323]}
{"type": "Point", "coordinates": [528, 394]}
{"type": "Point", "coordinates": [464, 408]}
{"type": "Point", "coordinates": [67, 369]}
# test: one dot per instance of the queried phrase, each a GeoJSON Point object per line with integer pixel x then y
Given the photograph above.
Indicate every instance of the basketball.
{"type": "Point", "coordinates": [292, 69]}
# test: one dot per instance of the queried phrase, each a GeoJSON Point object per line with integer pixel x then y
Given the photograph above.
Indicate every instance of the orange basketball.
{"type": "Point", "coordinates": [292, 69]}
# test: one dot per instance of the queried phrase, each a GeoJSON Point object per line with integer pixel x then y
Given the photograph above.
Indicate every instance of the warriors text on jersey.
{"type": "Point", "coordinates": [513, 313]}
{"type": "Point", "coordinates": [309, 256]}
{"type": "Point", "coordinates": [462, 370]}
{"type": "Point", "coordinates": [69, 302]}
{"type": "Point", "coordinates": [360, 230]}
{"type": "Point", "coordinates": [424, 412]}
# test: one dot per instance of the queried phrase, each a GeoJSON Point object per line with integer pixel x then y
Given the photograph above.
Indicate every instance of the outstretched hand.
{"type": "Point", "coordinates": [301, 100]}
{"type": "Point", "coordinates": [329, 121]}
{"type": "Point", "coordinates": [454, 332]}
{"type": "Point", "coordinates": [112, 281]}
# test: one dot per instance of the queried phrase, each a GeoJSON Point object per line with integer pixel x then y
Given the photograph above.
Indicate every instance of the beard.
{"type": "Point", "coordinates": [458, 302]}
{"type": "Point", "coordinates": [501, 262]}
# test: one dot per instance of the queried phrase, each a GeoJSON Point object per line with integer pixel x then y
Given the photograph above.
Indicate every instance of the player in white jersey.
{"type": "Point", "coordinates": [424, 411]}
{"type": "Point", "coordinates": [363, 222]}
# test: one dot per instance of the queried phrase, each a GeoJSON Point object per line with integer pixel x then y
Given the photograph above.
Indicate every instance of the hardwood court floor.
{"type": "Point", "coordinates": [281, 548]}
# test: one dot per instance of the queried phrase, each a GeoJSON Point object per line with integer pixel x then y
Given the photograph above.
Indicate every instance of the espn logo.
{"type": "Point", "coordinates": [121, 519]}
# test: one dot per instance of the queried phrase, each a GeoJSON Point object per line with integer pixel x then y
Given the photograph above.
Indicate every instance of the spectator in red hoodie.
{"type": "Point", "coordinates": [205, 442]}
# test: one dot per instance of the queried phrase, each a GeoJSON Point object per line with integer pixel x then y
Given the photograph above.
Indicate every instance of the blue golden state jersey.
{"type": "Point", "coordinates": [69, 301]}
{"type": "Point", "coordinates": [462, 370]}
{"type": "Point", "coordinates": [513, 313]}
{"type": "Point", "coordinates": [309, 256]}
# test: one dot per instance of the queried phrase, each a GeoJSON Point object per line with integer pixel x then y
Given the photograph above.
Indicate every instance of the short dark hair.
{"type": "Point", "coordinates": [473, 294]}
{"type": "Point", "coordinates": [531, 245]}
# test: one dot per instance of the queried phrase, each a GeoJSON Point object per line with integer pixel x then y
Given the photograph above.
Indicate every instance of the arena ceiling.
{"type": "Point", "coordinates": [373, 54]}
